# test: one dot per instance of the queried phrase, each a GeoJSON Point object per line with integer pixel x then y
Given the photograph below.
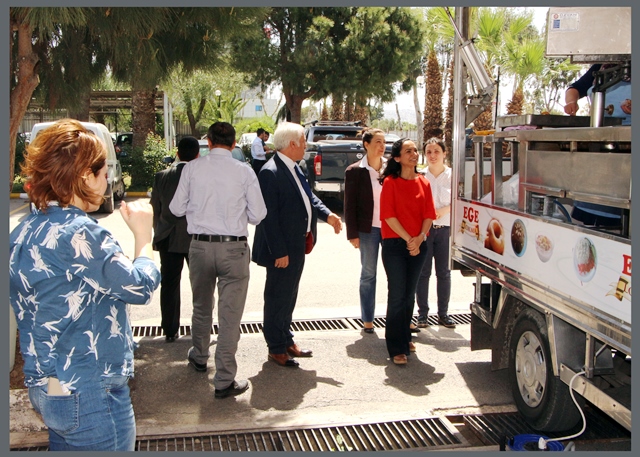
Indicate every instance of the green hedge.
{"type": "Point", "coordinates": [142, 165]}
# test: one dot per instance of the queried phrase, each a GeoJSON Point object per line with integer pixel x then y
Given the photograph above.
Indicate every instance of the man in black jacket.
{"type": "Point", "coordinates": [170, 237]}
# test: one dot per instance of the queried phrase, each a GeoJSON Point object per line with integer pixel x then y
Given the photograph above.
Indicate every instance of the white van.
{"type": "Point", "coordinates": [115, 187]}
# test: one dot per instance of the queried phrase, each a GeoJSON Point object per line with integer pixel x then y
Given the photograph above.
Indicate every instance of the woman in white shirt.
{"type": "Point", "coordinates": [439, 176]}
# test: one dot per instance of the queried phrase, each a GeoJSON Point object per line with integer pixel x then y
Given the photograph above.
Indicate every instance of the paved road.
{"type": "Point", "coordinates": [329, 285]}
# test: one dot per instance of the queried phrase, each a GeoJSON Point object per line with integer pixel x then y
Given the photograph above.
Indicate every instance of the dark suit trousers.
{"type": "Point", "coordinates": [171, 264]}
{"type": "Point", "coordinates": [257, 165]}
{"type": "Point", "coordinates": [280, 295]}
{"type": "Point", "coordinates": [403, 271]}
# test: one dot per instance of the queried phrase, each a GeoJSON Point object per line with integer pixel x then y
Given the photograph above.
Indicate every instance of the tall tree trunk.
{"type": "Point", "coordinates": [416, 105]}
{"type": "Point", "coordinates": [324, 115]}
{"type": "Point", "coordinates": [433, 99]}
{"type": "Point", "coordinates": [143, 114]}
{"type": "Point", "coordinates": [25, 73]}
{"type": "Point", "coordinates": [348, 108]}
{"type": "Point", "coordinates": [337, 105]}
{"type": "Point", "coordinates": [361, 112]}
{"type": "Point", "coordinates": [294, 106]}
{"type": "Point", "coordinates": [399, 118]}
{"type": "Point", "coordinates": [82, 110]}
{"type": "Point", "coordinates": [448, 123]}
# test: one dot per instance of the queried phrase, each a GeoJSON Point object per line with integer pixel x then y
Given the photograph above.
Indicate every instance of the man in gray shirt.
{"type": "Point", "coordinates": [219, 196]}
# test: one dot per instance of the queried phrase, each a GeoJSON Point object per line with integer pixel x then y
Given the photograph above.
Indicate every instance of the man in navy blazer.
{"type": "Point", "coordinates": [170, 236]}
{"type": "Point", "coordinates": [283, 237]}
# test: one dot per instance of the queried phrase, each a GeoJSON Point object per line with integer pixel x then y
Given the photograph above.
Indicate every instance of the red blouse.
{"type": "Point", "coordinates": [409, 201]}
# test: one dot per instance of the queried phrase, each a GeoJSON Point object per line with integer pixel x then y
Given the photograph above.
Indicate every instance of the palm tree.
{"type": "Point", "coordinates": [433, 120]}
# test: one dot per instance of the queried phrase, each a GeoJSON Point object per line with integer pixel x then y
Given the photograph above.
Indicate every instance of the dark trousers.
{"type": "Point", "coordinates": [438, 249]}
{"type": "Point", "coordinates": [403, 271]}
{"type": "Point", "coordinates": [257, 164]}
{"type": "Point", "coordinates": [280, 295]}
{"type": "Point", "coordinates": [171, 264]}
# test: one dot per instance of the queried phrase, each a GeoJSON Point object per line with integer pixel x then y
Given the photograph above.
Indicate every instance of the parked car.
{"type": "Point", "coordinates": [123, 141]}
{"type": "Point", "coordinates": [115, 184]}
{"type": "Point", "coordinates": [236, 152]}
{"type": "Point", "coordinates": [391, 137]}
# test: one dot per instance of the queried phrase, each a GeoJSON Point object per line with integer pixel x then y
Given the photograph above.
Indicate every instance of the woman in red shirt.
{"type": "Point", "coordinates": [406, 212]}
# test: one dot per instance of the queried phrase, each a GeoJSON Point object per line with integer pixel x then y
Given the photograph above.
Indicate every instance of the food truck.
{"type": "Point", "coordinates": [552, 294]}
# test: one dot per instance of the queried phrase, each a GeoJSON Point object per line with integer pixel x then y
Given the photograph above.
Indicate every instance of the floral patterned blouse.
{"type": "Point", "coordinates": [70, 284]}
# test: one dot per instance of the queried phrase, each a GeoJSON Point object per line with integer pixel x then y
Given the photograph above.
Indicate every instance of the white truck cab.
{"type": "Point", "coordinates": [115, 187]}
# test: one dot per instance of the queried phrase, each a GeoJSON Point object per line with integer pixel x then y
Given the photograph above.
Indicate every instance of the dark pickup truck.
{"type": "Point", "coordinates": [331, 148]}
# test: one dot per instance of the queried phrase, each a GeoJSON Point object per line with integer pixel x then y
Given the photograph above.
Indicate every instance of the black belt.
{"type": "Point", "coordinates": [438, 226]}
{"type": "Point", "coordinates": [218, 238]}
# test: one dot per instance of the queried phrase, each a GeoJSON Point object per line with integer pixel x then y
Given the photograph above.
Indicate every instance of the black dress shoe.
{"type": "Point", "coordinates": [236, 388]}
{"type": "Point", "coordinates": [414, 329]}
{"type": "Point", "coordinates": [368, 330]}
{"type": "Point", "coordinates": [171, 339]}
{"type": "Point", "coordinates": [197, 366]}
{"type": "Point", "coordinates": [446, 321]}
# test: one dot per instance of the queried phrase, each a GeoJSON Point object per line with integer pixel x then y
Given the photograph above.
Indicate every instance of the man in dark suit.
{"type": "Point", "coordinates": [170, 237]}
{"type": "Point", "coordinates": [284, 237]}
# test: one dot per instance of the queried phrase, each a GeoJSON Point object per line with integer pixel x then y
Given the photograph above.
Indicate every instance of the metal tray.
{"type": "Point", "coordinates": [550, 120]}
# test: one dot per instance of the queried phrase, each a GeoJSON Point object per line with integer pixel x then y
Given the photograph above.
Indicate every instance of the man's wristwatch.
{"type": "Point", "coordinates": [424, 236]}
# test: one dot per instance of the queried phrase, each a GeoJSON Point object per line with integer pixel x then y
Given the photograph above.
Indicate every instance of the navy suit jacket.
{"type": "Point", "coordinates": [283, 232]}
{"type": "Point", "coordinates": [165, 224]}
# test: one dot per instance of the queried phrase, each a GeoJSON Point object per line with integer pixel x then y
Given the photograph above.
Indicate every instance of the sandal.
{"type": "Point", "coordinates": [412, 347]}
{"type": "Point", "coordinates": [400, 359]}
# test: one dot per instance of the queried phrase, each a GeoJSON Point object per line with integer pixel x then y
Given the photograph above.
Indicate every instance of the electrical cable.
{"type": "Point", "coordinates": [584, 420]}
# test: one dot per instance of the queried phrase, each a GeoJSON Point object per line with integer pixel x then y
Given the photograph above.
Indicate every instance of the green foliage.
{"type": "Point", "coordinates": [20, 147]}
{"type": "Point", "coordinates": [142, 165]}
{"type": "Point", "coordinates": [301, 48]}
{"type": "Point", "coordinates": [252, 124]}
{"type": "Point", "coordinates": [392, 124]}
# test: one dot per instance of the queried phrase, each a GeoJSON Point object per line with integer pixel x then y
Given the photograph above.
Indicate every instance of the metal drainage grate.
{"type": "Point", "coordinates": [381, 436]}
{"type": "Point", "coordinates": [346, 323]}
{"type": "Point", "coordinates": [489, 428]}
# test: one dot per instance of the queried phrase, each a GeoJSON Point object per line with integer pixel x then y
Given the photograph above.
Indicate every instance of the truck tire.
{"type": "Point", "coordinates": [118, 191]}
{"type": "Point", "coordinates": [542, 398]}
{"type": "Point", "coordinates": [109, 203]}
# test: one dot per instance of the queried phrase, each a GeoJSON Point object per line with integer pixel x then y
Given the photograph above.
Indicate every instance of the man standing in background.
{"type": "Point", "coordinates": [259, 150]}
{"type": "Point", "coordinates": [170, 237]}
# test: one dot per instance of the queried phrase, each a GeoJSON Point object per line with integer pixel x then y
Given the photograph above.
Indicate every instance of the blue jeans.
{"type": "Point", "coordinates": [97, 416]}
{"type": "Point", "coordinates": [438, 249]}
{"type": "Point", "coordinates": [369, 246]}
{"type": "Point", "coordinates": [403, 271]}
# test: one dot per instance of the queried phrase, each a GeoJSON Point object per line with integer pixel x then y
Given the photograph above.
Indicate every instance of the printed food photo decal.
{"type": "Point", "coordinates": [494, 239]}
{"type": "Point", "coordinates": [585, 259]}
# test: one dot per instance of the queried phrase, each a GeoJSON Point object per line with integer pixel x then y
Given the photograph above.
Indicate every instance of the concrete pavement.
{"type": "Point", "coordinates": [348, 380]}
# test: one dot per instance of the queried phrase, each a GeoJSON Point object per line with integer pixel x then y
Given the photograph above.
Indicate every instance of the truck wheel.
{"type": "Point", "coordinates": [542, 398]}
{"type": "Point", "coordinates": [109, 202]}
{"type": "Point", "coordinates": [118, 191]}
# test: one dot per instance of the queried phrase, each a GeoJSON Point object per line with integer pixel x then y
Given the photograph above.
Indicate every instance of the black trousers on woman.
{"type": "Point", "coordinates": [403, 271]}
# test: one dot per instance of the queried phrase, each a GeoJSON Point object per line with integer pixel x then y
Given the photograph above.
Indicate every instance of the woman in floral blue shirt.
{"type": "Point", "coordinates": [70, 283]}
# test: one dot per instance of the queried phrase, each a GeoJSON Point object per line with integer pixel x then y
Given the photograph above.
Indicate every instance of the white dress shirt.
{"type": "Point", "coordinates": [257, 149]}
{"type": "Point", "coordinates": [307, 204]}
{"type": "Point", "coordinates": [219, 195]}
{"type": "Point", "coordinates": [441, 190]}
{"type": "Point", "coordinates": [376, 187]}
